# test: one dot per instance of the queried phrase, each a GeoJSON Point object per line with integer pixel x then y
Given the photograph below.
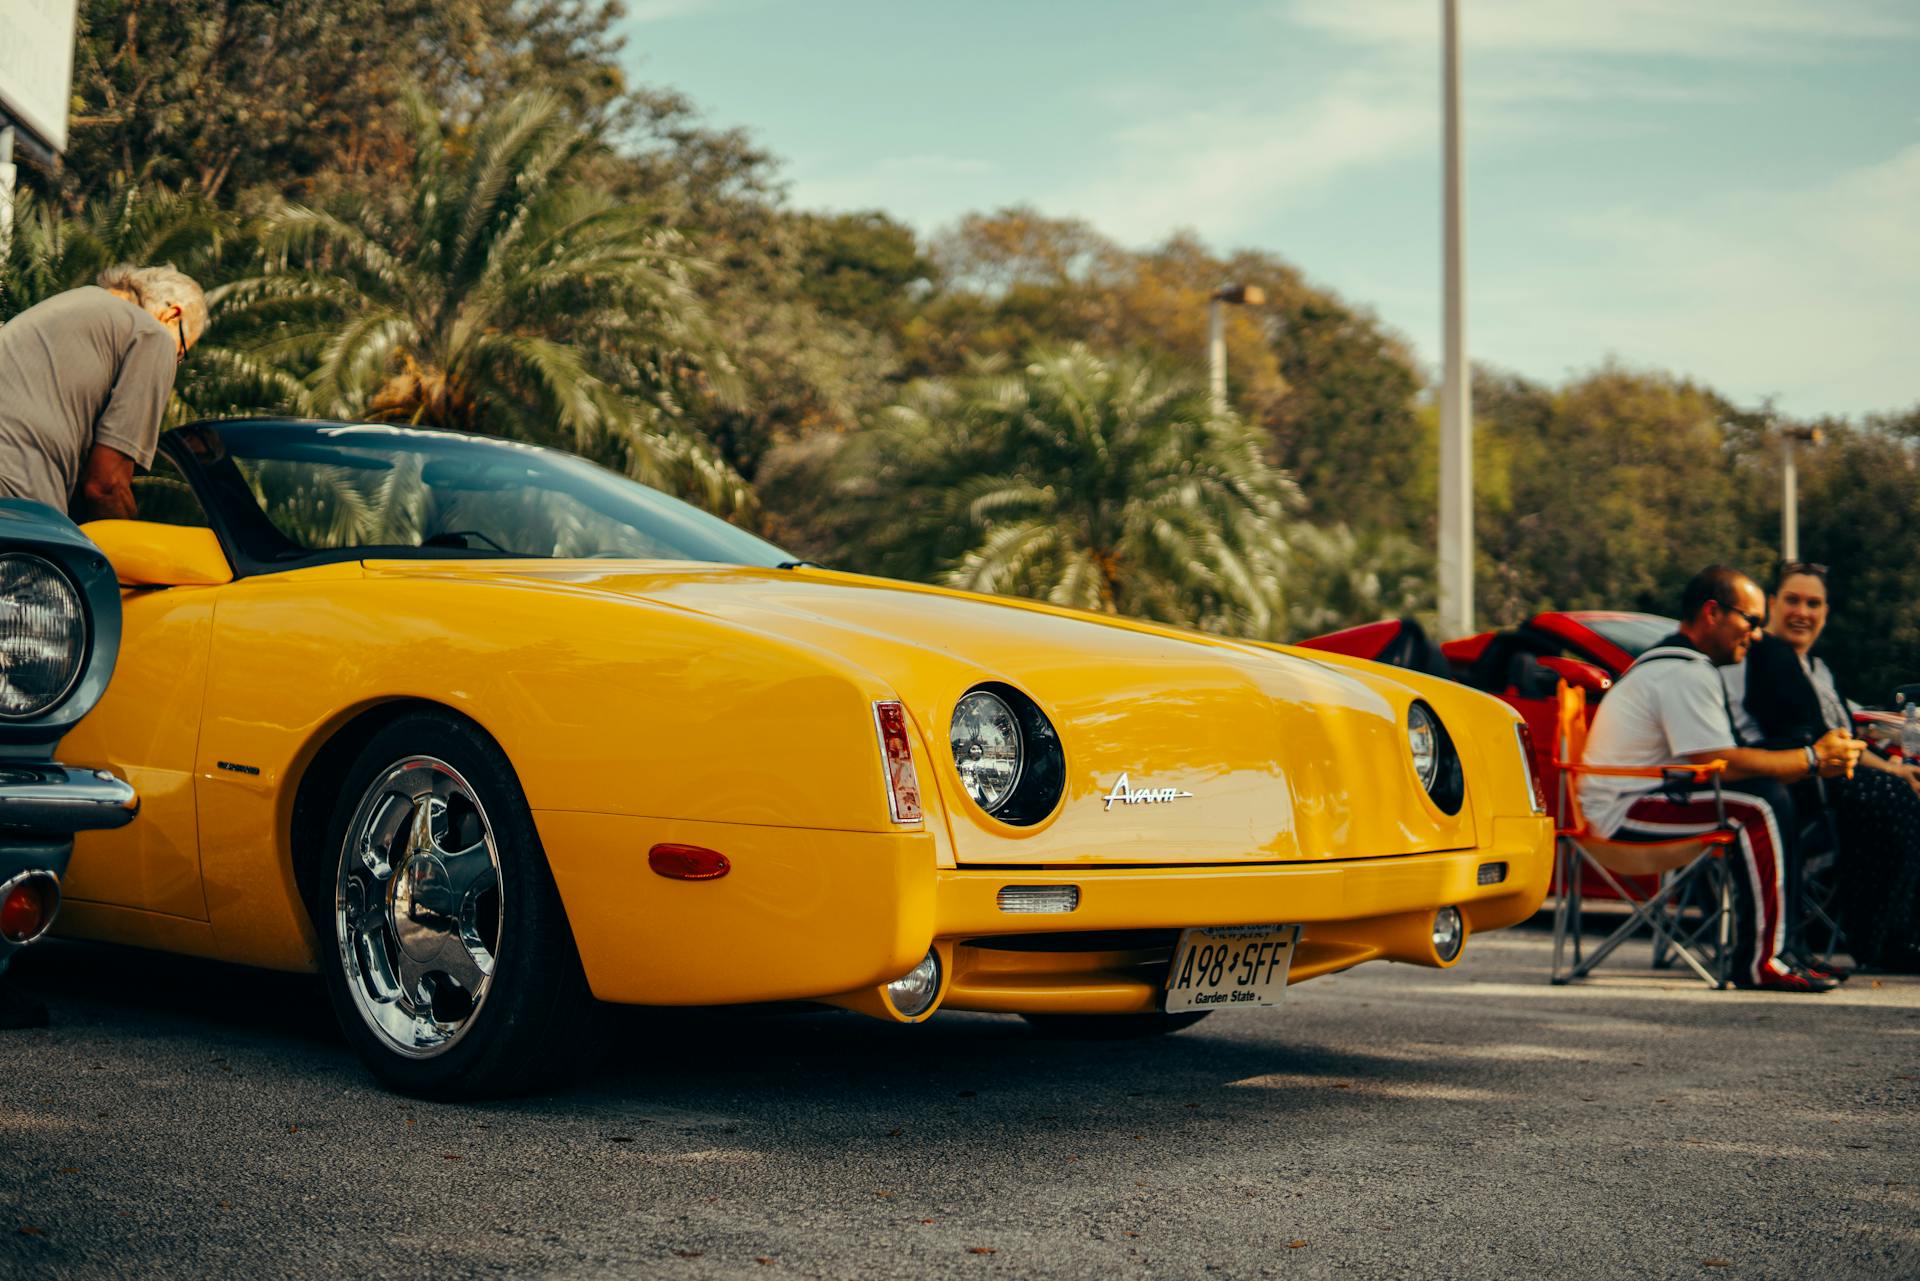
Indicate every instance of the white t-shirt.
{"type": "Point", "coordinates": [1669, 705]}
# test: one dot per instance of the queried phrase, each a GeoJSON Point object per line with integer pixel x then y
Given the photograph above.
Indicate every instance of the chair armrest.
{"type": "Point", "coordinates": [1666, 773]}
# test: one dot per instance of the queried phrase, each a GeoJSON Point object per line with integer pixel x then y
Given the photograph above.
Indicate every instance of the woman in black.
{"type": "Point", "coordinates": [1793, 700]}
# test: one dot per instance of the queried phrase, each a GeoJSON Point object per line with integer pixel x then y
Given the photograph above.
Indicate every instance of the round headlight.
{"type": "Point", "coordinates": [43, 636]}
{"type": "Point", "coordinates": [987, 748]}
{"type": "Point", "coordinates": [1423, 740]}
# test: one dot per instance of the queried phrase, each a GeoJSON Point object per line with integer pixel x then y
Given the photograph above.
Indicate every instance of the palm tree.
{"type": "Point", "coordinates": [1341, 577]}
{"type": "Point", "coordinates": [1100, 483]}
{"type": "Point", "coordinates": [498, 293]}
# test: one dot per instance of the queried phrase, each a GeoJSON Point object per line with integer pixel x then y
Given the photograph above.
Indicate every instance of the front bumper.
{"type": "Point", "coordinates": [808, 914]}
{"type": "Point", "coordinates": [46, 798]}
{"type": "Point", "coordinates": [42, 805]}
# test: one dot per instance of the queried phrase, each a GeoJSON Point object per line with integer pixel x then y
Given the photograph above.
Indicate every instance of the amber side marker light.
{"type": "Point", "coordinates": [688, 862]}
{"type": "Point", "coordinates": [1536, 787]}
{"type": "Point", "coordinates": [27, 905]}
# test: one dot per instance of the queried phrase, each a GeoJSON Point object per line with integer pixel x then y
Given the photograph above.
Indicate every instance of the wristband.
{"type": "Point", "coordinates": [1813, 761]}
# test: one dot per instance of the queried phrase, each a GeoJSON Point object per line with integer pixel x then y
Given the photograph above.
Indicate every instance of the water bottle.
{"type": "Point", "coordinates": [1910, 733]}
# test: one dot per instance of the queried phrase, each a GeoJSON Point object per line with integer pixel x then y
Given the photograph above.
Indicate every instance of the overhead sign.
{"type": "Point", "coordinates": [36, 67]}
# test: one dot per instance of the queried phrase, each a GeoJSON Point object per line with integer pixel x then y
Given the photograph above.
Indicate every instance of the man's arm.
{"type": "Point", "coordinates": [106, 487]}
{"type": "Point", "coordinates": [1836, 753]}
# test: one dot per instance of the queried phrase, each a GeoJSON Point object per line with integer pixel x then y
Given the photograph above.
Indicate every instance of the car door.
{"type": "Point", "coordinates": [147, 729]}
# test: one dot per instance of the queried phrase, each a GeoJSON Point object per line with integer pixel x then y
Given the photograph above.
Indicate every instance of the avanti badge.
{"type": "Point", "coordinates": [1127, 794]}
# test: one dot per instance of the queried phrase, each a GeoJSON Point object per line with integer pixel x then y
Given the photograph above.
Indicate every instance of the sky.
{"type": "Point", "coordinates": [1728, 190]}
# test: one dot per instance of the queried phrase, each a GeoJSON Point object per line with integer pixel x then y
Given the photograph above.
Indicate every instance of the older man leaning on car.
{"type": "Point", "coordinates": [87, 375]}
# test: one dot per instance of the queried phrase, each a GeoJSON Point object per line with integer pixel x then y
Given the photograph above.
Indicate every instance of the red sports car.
{"type": "Point", "coordinates": [1524, 665]}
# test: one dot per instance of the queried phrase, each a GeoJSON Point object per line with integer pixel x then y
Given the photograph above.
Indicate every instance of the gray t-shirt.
{"type": "Point", "coordinates": [80, 369]}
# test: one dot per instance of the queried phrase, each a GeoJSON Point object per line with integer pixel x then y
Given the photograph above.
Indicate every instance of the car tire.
{"type": "Point", "coordinates": [1112, 1027]}
{"type": "Point", "coordinates": [445, 947]}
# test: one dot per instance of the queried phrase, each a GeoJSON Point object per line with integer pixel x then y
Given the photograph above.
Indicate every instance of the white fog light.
{"type": "Point", "coordinates": [1449, 934]}
{"type": "Point", "coordinates": [912, 994]}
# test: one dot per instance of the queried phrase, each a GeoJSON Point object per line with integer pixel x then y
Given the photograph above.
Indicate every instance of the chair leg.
{"type": "Point", "coordinates": [1653, 912]}
{"type": "Point", "coordinates": [1723, 958]}
{"type": "Point", "coordinates": [1560, 911]}
{"type": "Point", "coordinates": [1661, 960]}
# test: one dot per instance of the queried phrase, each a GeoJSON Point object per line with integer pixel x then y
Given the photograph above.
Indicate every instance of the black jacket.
{"type": "Point", "coordinates": [1780, 698]}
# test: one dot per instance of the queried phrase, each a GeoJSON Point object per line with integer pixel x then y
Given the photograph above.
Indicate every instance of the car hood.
{"type": "Point", "coordinates": [1277, 757]}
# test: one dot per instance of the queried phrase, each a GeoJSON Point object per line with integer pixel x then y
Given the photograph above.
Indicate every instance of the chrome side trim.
{"type": "Point", "coordinates": [50, 797]}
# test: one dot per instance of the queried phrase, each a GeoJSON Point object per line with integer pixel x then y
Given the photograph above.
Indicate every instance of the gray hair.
{"type": "Point", "coordinates": [156, 289]}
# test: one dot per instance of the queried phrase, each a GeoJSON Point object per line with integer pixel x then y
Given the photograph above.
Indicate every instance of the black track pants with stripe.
{"type": "Point", "coordinates": [1762, 814]}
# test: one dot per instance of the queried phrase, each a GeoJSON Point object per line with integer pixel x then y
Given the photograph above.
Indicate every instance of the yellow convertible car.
{"type": "Point", "coordinates": [483, 732]}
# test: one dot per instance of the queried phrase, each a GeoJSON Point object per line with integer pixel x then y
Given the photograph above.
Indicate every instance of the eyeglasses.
{"type": "Point", "coordinates": [1754, 621]}
{"type": "Point", "coordinates": [180, 352]}
{"type": "Point", "coordinates": [1815, 568]}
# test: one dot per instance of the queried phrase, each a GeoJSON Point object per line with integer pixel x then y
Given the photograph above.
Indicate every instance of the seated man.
{"type": "Point", "coordinates": [1670, 708]}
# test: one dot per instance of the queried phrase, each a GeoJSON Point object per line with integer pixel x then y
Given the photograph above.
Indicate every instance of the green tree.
{"type": "Point", "coordinates": [1616, 489]}
{"type": "Point", "coordinates": [1859, 511]}
{"type": "Point", "coordinates": [494, 293]}
{"type": "Point", "coordinates": [223, 95]}
{"type": "Point", "coordinates": [1341, 577]}
{"type": "Point", "coordinates": [1095, 482]}
{"type": "Point", "coordinates": [1348, 428]}
{"type": "Point", "coordinates": [1334, 390]}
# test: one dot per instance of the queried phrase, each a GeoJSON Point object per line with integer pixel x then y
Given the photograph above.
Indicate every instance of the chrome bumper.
{"type": "Point", "coordinates": [47, 798]}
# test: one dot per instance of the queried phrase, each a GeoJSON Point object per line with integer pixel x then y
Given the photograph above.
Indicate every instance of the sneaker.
{"type": "Point", "coordinates": [1832, 971]}
{"type": "Point", "coordinates": [1788, 981]}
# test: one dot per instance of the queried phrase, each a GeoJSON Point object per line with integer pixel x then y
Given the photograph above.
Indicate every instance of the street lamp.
{"type": "Point", "coordinates": [1239, 295]}
{"type": "Point", "coordinates": [1456, 387]}
{"type": "Point", "coordinates": [1790, 489]}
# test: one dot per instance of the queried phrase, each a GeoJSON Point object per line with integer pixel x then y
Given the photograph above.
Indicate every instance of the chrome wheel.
{"type": "Point", "coordinates": [417, 906]}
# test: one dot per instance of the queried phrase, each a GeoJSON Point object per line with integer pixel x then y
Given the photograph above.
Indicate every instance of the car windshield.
{"type": "Point", "coordinates": [1635, 633]}
{"type": "Point", "coordinates": [335, 487]}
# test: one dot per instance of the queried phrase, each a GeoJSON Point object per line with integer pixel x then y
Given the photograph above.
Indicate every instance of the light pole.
{"type": "Point", "coordinates": [1456, 392]}
{"type": "Point", "coordinates": [1790, 490]}
{"type": "Point", "coordinates": [1239, 295]}
{"type": "Point", "coordinates": [7, 177]}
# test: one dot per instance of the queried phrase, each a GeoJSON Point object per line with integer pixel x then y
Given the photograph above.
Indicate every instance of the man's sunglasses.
{"type": "Point", "coordinates": [180, 352]}
{"type": "Point", "coordinates": [1754, 621]}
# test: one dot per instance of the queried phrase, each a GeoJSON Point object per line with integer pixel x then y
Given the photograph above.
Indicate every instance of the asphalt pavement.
{"type": "Point", "coordinates": [186, 1119]}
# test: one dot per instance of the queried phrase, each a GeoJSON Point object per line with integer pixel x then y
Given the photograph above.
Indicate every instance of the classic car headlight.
{"type": "Point", "coordinates": [1423, 740]}
{"type": "Point", "coordinates": [43, 636]}
{"type": "Point", "coordinates": [1007, 754]}
{"type": "Point", "coordinates": [1434, 758]}
{"type": "Point", "coordinates": [987, 749]}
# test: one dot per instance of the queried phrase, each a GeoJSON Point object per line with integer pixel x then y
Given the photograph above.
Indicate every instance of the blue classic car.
{"type": "Point", "coordinates": [59, 637]}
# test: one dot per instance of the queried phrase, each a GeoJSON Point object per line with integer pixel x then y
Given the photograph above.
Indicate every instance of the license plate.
{"type": "Point", "coordinates": [1230, 966]}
